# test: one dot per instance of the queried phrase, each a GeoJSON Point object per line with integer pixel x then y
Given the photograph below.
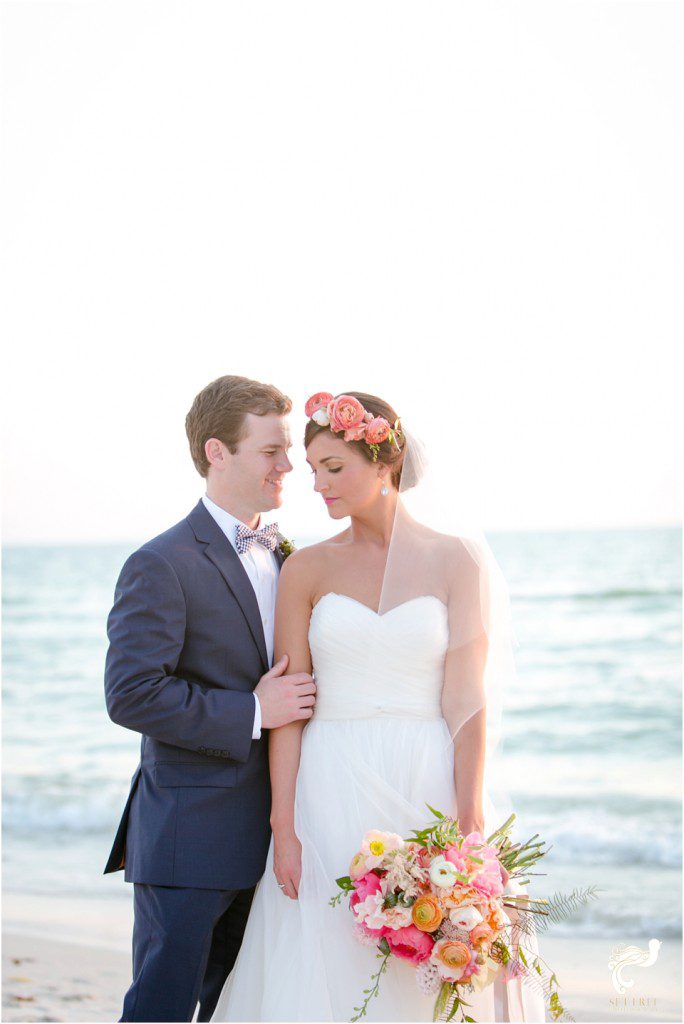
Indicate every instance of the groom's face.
{"type": "Point", "coordinates": [257, 470]}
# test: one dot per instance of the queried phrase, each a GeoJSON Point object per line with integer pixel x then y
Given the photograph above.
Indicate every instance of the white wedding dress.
{"type": "Point", "coordinates": [375, 752]}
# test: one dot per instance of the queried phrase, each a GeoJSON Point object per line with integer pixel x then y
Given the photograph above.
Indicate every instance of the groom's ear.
{"type": "Point", "coordinates": [216, 453]}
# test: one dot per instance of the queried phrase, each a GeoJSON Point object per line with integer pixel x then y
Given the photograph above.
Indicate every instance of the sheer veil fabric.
{"type": "Point", "coordinates": [436, 548]}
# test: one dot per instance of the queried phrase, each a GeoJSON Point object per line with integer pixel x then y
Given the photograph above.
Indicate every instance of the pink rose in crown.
{"type": "Point", "coordinates": [410, 943]}
{"type": "Point", "coordinates": [318, 401]}
{"type": "Point", "coordinates": [345, 413]}
{"type": "Point", "coordinates": [378, 430]}
{"type": "Point", "coordinates": [356, 433]}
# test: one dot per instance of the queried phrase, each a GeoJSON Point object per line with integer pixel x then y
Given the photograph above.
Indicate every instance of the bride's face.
{"type": "Point", "coordinates": [345, 479]}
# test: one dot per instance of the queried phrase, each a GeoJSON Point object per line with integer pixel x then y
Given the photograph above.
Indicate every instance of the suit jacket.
{"type": "Point", "coordinates": [186, 650]}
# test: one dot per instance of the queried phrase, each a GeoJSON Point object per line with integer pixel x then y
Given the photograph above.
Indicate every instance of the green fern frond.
{"type": "Point", "coordinates": [564, 905]}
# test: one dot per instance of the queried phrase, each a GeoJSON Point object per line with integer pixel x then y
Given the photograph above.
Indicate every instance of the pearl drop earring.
{"type": "Point", "coordinates": [384, 491]}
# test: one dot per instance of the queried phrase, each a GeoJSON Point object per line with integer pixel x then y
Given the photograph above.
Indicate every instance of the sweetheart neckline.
{"type": "Point", "coordinates": [379, 615]}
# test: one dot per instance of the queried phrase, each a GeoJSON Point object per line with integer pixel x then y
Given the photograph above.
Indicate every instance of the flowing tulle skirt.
{"type": "Point", "coordinates": [299, 959]}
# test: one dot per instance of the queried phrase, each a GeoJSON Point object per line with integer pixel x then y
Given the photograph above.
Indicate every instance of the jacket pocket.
{"type": "Point", "coordinates": [180, 773]}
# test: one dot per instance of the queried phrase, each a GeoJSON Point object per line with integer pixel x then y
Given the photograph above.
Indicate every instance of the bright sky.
{"type": "Point", "coordinates": [473, 210]}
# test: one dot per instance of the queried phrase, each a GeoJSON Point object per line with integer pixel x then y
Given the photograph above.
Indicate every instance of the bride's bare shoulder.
{"type": "Point", "coordinates": [306, 564]}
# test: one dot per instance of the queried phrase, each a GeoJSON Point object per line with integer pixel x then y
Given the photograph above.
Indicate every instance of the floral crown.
{"type": "Point", "coordinates": [346, 414]}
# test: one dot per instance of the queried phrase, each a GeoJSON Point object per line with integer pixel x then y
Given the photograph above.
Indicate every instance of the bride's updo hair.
{"type": "Point", "coordinates": [387, 454]}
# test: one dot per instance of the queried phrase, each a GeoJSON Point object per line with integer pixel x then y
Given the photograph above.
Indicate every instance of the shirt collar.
{"type": "Point", "coordinates": [224, 519]}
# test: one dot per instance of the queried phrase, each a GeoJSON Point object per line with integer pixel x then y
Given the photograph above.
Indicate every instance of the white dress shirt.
{"type": "Point", "coordinates": [262, 568]}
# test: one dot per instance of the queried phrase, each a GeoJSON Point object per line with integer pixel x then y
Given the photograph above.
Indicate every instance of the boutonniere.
{"type": "Point", "coordinates": [286, 547]}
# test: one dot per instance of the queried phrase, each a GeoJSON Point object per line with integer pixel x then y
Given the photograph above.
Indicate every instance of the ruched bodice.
{"type": "Point", "coordinates": [371, 666]}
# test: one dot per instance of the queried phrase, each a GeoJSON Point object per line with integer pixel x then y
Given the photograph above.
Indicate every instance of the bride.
{"type": "Point", "coordinates": [392, 618]}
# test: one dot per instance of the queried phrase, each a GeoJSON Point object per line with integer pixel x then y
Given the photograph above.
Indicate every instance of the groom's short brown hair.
{"type": "Point", "coordinates": [219, 411]}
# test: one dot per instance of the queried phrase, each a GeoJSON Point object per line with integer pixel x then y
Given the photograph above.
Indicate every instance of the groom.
{"type": "Point", "coordinates": [188, 666]}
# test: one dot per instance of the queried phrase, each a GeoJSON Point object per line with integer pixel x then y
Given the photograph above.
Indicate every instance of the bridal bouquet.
{"type": "Point", "coordinates": [438, 901]}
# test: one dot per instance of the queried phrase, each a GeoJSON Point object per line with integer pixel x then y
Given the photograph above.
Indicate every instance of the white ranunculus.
{"type": "Point", "coordinates": [443, 873]}
{"type": "Point", "coordinates": [465, 917]}
{"type": "Point", "coordinates": [321, 418]}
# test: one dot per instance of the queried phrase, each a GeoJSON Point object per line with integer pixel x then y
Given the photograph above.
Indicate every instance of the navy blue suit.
{"type": "Point", "coordinates": [186, 650]}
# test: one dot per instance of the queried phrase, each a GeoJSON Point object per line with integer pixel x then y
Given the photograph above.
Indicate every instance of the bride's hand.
{"type": "Point", "coordinates": [287, 862]}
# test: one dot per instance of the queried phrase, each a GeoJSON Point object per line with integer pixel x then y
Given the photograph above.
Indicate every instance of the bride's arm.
{"type": "Point", "coordinates": [463, 696]}
{"type": "Point", "coordinates": [293, 612]}
{"type": "Point", "coordinates": [465, 666]}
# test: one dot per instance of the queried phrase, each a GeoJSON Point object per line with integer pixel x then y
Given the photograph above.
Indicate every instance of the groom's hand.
{"type": "Point", "coordinates": [285, 698]}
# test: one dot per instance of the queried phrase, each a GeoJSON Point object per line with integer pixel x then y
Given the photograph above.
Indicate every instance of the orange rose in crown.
{"type": "Point", "coordinates": [316, 407]}
{"type": "Point", "coordinates": [378, 430]}
{"type": "Point", "coordinates": [345, 413]}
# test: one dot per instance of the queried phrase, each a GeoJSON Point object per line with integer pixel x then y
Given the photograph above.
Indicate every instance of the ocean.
{"type": "Point", "coordinates": [592, 736]}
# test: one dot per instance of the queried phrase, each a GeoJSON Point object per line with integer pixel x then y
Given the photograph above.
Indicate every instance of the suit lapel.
{"type": "Point", "coordinates": [221, 552]}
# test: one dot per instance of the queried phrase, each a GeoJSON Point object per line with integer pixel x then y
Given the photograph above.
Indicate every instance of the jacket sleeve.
{"type": "Point", "coordinates": [146, 630]}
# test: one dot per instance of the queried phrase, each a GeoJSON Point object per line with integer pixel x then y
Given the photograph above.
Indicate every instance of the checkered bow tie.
{"type": "Point", "coordinates": [244, 537]}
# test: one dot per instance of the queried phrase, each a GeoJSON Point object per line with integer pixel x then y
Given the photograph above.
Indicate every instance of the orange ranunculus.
{"type": "Point", "coordinates": [452, 957]}
{"type": "Point", "coordinates": [427, 914]}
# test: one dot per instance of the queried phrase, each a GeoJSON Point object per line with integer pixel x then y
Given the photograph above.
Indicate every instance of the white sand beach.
{"type": "Point", "coordinates": [68, 960]}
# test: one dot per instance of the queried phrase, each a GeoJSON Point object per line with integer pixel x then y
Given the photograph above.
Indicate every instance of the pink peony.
{"type": "Point", "coordinates": [486, 877]}
{"type": "Point", "coordinates": [489, 881]}
{"type": "Point", "coordinates": [457, 858]}
{"type": "Point", "coordinates": [318, 401]}
{"type": "Point", "coordinates": [410, 944]}
{"type": "Point", "coordinates": [377, 430]}
{"type": "Point", "coordinates": [365, 886]}
{"type": "Point", "coordinates": [345, 413]}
